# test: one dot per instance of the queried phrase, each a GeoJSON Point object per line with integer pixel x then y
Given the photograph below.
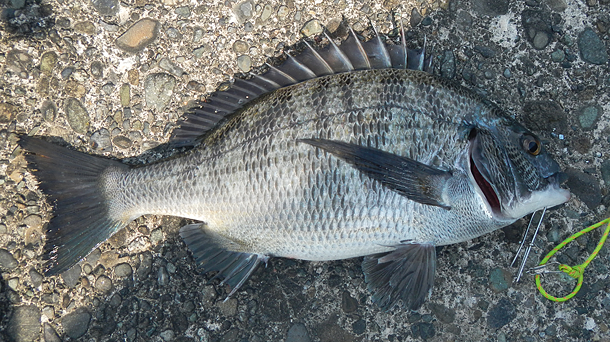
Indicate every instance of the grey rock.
{"type": "Point", "coordinates": [348, 303]}
{"type": "Point", "coordinates": [545, 116]}
{"type": "Point", "coordinates": [416, 17]}
{"type": "Point", "coordinates": [76, 323]}
{"type": "Point", "coordinates": [123, 270]}
{"type": "Point", "coordinates": [312, 28]}
{"type": "Point", "coordinates": [18, 62]}
{"type": "Point", "coordinates": [553, 235]}
{"type": "Point", "coordinates": [501, 314]}
{"type": "Point", "coordinates": [66, 72]}
{"type": "Point", "coordinates": [442, 313]}
{"type": "Point", "coordinates": [77, 115]}
{"type": "Point", "coordinates": [167, 65]}
{"type": "Point", "coordinates": [48, 110]}
{"type": "Point", "coordinates": [558, 56]}
{"type": "Point", "coordinates": [448, 69]}
{"type": "Point", "coordinates": [423, 330]}
{"type": "Point", "coordinates": [298, 333]}
{"type": "Point", "coordinates": [240, 47]}
{"type": "Point", "coordinates": [163, 277]}
{"type": "Point", "coordinates": [588, 116]}
{"type": "Point", "coordinates": [145, 265]}
{"type": "Point", "coordinates": [97, 69]}
{"type": "Point", "coordinates": [244, 62]}
{"type": "Point", "coordinates": [485, 51]}
{"type": "Point", "coordinates": [50, 335]}
{"type": "Point", "coordinates": [490, 8]}
{"type": "Point", "coordinates": [106, 7]}
{"type": "Point", "coordinates": [174, 34]}
{"type": "Point", "coordinates": [35, 277]}
{"type": "Point", "coordinates": [33, 221]}
{"type": "Point", "coordinates": [605, 170]}
{"type": "Point", "coordinates": [103, 284]}
{"type": "Point", "coordinates": [499, 279]}
{"type": "Point", "coordinates": [7, 262]}
{"type": "Point", "coordinates": [122, 142]}
{"type": "Point", "coordinates": [48, 61]}
{"type": "Point", "coordinates": [24, 325]}
{"type": "Point", "coordinates": [244, 10]}
{"type": "Point", "coordinates": [592, 49]}
{"type": "Point", "coordinates": [101, 140]}
{"type": "Point", "coordinates": [585, 187]}
{"type": "Point", "coordinates": [557, 5]}
{"type": "Point", "coordinates": [359, 326]}
{"type": "Point", "coordinates": [158, 90]}
{"type": "Point", "coordinates": [183, 11]}
{"type": "Point", "coordinates": [71, 276]}
{"type": "Point", "coordinates": [537, 27]}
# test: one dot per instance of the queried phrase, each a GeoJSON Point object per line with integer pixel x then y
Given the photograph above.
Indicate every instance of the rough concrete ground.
{"type": "Point", "coordinates": [70, 71]}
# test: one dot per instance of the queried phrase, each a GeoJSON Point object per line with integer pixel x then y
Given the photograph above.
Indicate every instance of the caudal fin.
{"type": "Point", "coordinates": [73, 183]}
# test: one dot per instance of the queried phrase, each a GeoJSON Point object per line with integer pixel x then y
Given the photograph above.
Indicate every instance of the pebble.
{"type": "Point", "coordinates": [97, 69]}
{"type": "Point", "coordinates": [71, 276]}
{"type": "Point", "coordinates": [106, 7]}
{"type": "Point", "coordinates": [499, 279]}
{"type": "Point", "coordinates": [592, 49]}
{"type": "Point", "coordinates": [585, 187]}
{"type": "Point", "coordinates": [7, 112]}
{"type": "Point", "coordinates": [100, 140]}
{"type": "Point", "coordinates": [244, 62]}
{"type": "Point", "coordinates": [124, 94]}
{"type": "Point", "coordinates": [501, 314]}
{"type": "Point", "coordinates": [490, 8]}
{"type": "Point", "coordinates": [35, 277]}
{"type": "Point", "coordinates": [162, 276]}
{"type": "Point", "coordinates": [167, 65]}
{"type": "Point", "coordinates": [228, 307]}
{"type": "Point", "coordinates": [414, 20]}
{"type": "Point", "coordinates": [267, 11]}
{"type": "Point", "coordinates": [24, 324]}
{"type": "Point", "coordinates": [76, 323]}
{"type": "Point", "coordinates": [442, 313]}
{"type": "Point", "coordinates": [48, 311]}
{"type": "Point", "coordinates": [485, 51]}
{"type": "Point", "coordinates": [122, 142]}
{"type": "Point", "coordinates": [123, 270]}
{"type": "Point", "coordinates": [66, 72]}
{"type": "Point", "coordinates": [48, 110]}
{"type": "Point", "coordinates": [348, 303]}
{"type": "Point", "coordinates": [423, 330]}
{"type": "Point", "coordinates": [48, 61]}
{"type": "Point", "coordinates": [158, 90]}
{"type": "Point", "coordinates": [588, 116]}
{"type": "Point", "coordinates": [174, 34]}
{"type": "Point", "coordinates": [545, 116]}
{"type": "Point", "coordinates": [32, 221]}
{"type": "Point", "coordinates": [145, 265]}
{"type": "Point", "coordinates": [240, 46]}
{"type": "Point", "coordinates": [103, 284]}
{"type": "Point", "coordinates": [537, 27]}
{"type": "Point", "coordinates": [85, 27]}
{"type": "Point", "coordinates": [553, 235]}
{"type": "Point", "coordinates": [50, 335]}
{"type": "Point", "coordinates": [605, 170]}
{"type": "Point", "coordinates": [359, 327]}
{"type": "Point", "coordinates": [139, 35]}
{"type": "Point", "coordinates": [3, 229]}
{"type": "Point", "coordinates": [312, 28]}
{"type": "Point", "coordinates": [18, 62]}
{"type": "Point", "coordinates": [298, 333]}
{"type": "Point", "coordinates": [13, 283]}
{"type": "Point", "coordinates": [7, 262]}
{"type": "Point", "coordinates": [558, 56]}
{"type": "Point", "coordinates": [77, 115]}
{"type": "Point", "coordinates": [244, 10]}
{"type": "Point", "coordinates": [183, 11]}
{"type": "Point", "coordinates": [167, 335]}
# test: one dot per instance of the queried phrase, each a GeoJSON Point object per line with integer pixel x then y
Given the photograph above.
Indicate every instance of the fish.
{"type": "Point", "coordinates": [348, 148]}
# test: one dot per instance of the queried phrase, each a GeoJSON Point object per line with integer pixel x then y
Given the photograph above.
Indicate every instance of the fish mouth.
{"type": "Point", "coordinates": [486, 188]}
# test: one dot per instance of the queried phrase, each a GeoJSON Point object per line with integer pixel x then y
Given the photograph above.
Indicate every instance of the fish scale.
{"type": "Point", "coordinates": [385, 163]}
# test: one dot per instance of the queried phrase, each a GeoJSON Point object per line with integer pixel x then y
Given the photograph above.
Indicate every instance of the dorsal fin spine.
{"type": "Point", "coordinates": [340, 53]}
{"type": "Point", "coordinates": [321, 60]}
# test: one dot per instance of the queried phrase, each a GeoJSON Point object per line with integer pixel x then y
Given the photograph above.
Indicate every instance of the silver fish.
{"type": "Point", "coordinates": [340, 152]}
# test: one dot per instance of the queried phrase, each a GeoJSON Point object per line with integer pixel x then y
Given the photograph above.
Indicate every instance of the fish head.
{"type": "Point", "coordinates": [513, 171]}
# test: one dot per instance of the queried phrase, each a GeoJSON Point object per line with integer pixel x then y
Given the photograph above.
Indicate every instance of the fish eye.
{"type": "Point", "coordinates": [532, 145]}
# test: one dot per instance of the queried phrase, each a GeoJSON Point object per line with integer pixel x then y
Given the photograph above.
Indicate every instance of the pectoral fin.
{"type": "Point", "coordinates": [412, 179]}
{"type": "Point", "coordinates": [407, 273]}
{"type": "Point", "coordinates": [213, 253]}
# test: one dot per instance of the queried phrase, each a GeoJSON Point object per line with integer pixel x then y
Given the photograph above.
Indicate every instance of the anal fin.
{"type": "Point", "coordinates": [406, 273]}
{"type": "Point", "coordinates": [213, 254]}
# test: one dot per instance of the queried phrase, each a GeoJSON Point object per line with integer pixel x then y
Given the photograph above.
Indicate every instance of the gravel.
{"type": "Point", "coordinates": [112, 78]}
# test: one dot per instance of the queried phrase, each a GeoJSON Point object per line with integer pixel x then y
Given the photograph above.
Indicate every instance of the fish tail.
{"type": "Point", "coordinates": [77, 185]}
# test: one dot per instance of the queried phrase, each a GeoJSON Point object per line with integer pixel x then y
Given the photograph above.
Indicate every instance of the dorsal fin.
{"type": "Point", "coordinates": [352, 54]}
